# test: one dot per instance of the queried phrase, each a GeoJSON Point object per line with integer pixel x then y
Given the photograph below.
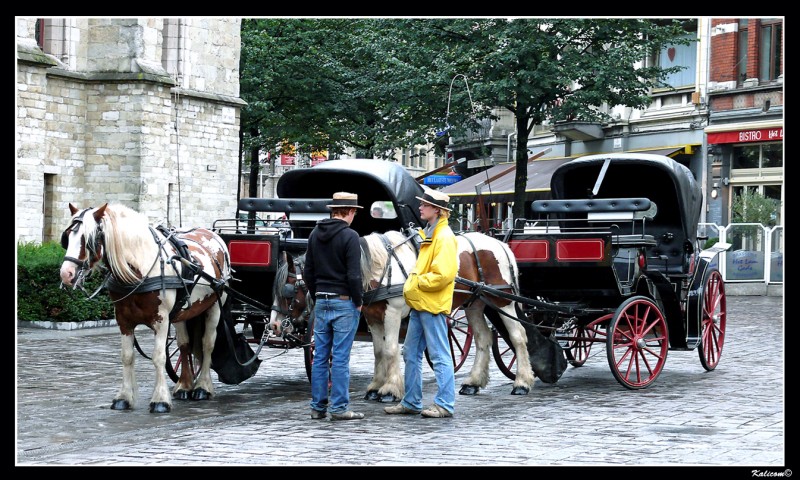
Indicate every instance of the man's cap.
{"type": "Point", "coordinates": [345, 200]}
{"type": "Point", "coordinates": [436, 198]}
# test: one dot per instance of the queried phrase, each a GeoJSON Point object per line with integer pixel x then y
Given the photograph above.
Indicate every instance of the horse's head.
{"type": "Point", "coordinates": [290, 304]}
{"type": "Point", "coordinates": [83, 242]}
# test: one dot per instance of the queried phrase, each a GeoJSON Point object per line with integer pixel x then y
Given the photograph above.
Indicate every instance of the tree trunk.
{"type": "Point", "coordinates": [521, 161]}
{"type": "Point", "coordinates": [252, 190]}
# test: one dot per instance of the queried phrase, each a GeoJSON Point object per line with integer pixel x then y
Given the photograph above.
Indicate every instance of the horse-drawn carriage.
{"type": "Point", "coordinates": [613, 257]}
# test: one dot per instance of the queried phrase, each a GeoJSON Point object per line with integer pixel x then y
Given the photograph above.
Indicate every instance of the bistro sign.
{"type": "Point", "coordinates": [744, 136]}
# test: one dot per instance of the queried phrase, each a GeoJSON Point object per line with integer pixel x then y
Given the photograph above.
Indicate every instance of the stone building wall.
{"type": "Point", "coordinates": [121, 128]}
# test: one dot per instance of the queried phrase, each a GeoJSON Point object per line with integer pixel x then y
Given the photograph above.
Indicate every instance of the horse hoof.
{"type": "Point", "coordinates": [120, 404]}
{"type": "Point", "coordinates": [388, 398]}
{"type": "Point", "coordinates": [200, 394]}
{"type": "Point", "coordinates": [469, 390]}
{"type": "Point", "coordinates": [181, 395]}
{"type": "Point", "coordinates": [160, 407]}
{"type": "Point", "coordinates": [520, 390]}
{"type": "Point", "coordinates": [372, 396]}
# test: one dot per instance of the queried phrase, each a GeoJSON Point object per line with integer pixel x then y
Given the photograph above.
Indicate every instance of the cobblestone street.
{"type": "Point", "coordinates": [733, 416]}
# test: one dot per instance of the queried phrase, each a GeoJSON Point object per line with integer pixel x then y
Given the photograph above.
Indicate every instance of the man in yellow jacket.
{"type": "Point", "coordinates": [428, 290]}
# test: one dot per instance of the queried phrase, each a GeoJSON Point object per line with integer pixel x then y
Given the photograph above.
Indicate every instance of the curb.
{"type": "Point", "coordinates": [48, 325]}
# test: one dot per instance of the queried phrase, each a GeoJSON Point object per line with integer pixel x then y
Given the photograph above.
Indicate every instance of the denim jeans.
{"type": "Point", "coordinates": [335, 325]}
{"type": "Point", "coordinates": [426, 330]}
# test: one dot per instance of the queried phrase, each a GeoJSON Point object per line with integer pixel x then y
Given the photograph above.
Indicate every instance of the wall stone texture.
{"type": "Point", "coordinates": [100, 119]}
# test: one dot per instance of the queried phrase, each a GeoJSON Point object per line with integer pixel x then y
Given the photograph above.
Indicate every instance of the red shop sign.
{"type": "Point", "coordinates": [744, 136]}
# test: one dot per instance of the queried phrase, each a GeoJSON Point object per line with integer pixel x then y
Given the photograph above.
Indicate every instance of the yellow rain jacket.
{"type": "Point", "coordinates": [429, 287]}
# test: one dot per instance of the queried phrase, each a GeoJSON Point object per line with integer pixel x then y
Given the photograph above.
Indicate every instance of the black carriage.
{"type": "Point", "coordinates": [614, 257]}
{"type": "Point", "coordinates": [256, 246]}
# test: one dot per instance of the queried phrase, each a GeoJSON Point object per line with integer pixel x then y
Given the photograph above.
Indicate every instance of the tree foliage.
{"type": "Point", "coordinates": [377, 85]}
{"type": "Point", "coordinates": [752, 207]}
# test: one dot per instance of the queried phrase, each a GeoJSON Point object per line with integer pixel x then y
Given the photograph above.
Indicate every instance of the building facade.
{"type": "Point", "coordinates": [745, 128]}
{"type": "Point", "coordinates": [721, 116]}
{"type": "Point", "coordinates": [140, 111]}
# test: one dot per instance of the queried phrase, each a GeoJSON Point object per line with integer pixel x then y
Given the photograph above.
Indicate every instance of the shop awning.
{"type": "Point", "coordinates": [501, 188]}
{"type": "Point", "coordinates": [497, 182]}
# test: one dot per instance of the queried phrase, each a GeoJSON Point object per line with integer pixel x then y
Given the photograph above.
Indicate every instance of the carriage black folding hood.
{"type": "Point", "coordinates": [371, 179]}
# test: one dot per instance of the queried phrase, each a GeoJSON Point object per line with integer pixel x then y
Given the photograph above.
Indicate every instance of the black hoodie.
{"type": "Point", "coordinates": [333, 260]}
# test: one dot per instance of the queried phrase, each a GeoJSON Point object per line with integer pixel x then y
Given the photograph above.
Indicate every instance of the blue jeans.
{"type": "Point", "coordinates": [426, 330]}
{"type": "Point", "coordinates": [335, 325]}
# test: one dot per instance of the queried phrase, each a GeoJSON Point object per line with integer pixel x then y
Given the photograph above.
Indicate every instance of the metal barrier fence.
{"type": "Point", "coordinates": [756, 253]}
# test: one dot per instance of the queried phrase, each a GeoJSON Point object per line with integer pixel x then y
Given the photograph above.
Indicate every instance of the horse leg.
{"type": "Point", "coordinates": [378, 372]}
{"type": "Point", "coordinates": [183, 387]}
{"type": "Point", "coordinates": [392, 389]}
{"type": "Point", "coordinates": [203, 386]}
{"type": "Point", "coordinates": [126, 396]}
{"type": "Point", "coordinates": [160, 402]}
{"type": "Point", "coordinates": [519, 340]}
{"type": "Point", "coordinates": [482, 340]}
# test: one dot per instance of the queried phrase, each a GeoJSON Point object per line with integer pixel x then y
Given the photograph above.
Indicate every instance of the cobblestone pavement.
{"type": "Point", "coordinates": [732, 416]}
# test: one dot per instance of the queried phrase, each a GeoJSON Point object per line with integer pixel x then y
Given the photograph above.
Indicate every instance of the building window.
{"type": "Point", "coordinates": [767, 155]}
{"type": "Point", "coordinates": [769, 59]}
{"type": "Point", "coordinates": [742, 51]}
{"type": "Point", "coordinates": [39, 32]}
{"type": "Point", "coordinates": [758, 168]}
{"type": "Point", "coordinates": [683, 56]}
{"type": "Point", "coordinates": [771, 191]}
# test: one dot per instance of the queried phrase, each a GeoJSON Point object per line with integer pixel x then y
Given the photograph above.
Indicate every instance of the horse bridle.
{"type": "Point", "coordinates": [289, 291]}
{"type": "Point", "coordinates": [92, 251]}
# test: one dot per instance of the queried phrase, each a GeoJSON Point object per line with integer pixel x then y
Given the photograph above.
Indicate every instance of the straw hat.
{"type": "Point", "coordinates": [345, 200]}
{"type": "Point", "coordinates": [436, 198]}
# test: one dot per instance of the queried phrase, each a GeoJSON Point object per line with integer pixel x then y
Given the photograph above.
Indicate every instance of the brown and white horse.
{"type": "Point", "coordinates": [386, 260]}
{"type": "Point", "coordinates": [154, 280]}
{"type": "Point", "coordinates": [481, 259]}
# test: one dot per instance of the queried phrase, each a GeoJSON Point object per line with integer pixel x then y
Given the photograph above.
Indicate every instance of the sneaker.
{"type": "Point", "coordinates": [348, 415]}
{"type": "Point", "coordinates": [400, 408]}
{"type": "Point", "coordinates": [317, 414]}
{"type": "Point", "coordinates": [435, 411]}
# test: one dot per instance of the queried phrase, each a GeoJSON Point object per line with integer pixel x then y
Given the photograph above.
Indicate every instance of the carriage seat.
{"type": "Point", "coordinates": [302, 213]}
{"type": "Point", "coordinates": [608, 213]}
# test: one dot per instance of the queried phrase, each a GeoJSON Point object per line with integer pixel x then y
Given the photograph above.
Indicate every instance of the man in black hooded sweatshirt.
{"type": "Point", "coordinates": [332, 274]}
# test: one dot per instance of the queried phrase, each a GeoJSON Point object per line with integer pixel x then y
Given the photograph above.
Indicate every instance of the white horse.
{"type": "Point", "coordinates": [154, 280]}
{"type": "Point", "coordinates": [387, 259]}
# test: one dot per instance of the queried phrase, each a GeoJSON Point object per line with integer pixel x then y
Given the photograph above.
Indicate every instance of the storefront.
{"type": "Point", "coordinates": [746, 155]}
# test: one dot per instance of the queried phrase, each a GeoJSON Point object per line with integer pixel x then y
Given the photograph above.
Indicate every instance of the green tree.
{"type": "Point", "coordinates": [377, 85]}
{"type": "Point", "coordinates": [750, 206]}
{"type": "Point", "coordinates": [560, 69]}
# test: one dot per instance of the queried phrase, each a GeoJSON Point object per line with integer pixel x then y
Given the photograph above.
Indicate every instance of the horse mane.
{"type": "Point", "coordinates": [129, 246]}
{"type": "Point", "coordinates": [281, 275]}
{"type": "Point", "coordinates": [374, 254]}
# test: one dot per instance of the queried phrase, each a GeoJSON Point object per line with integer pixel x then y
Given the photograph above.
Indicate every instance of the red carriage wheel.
{"type": "Point", "coordinates": [577, 351]}
{"type": "Point", "coordinates": [173, 361]}
{"type": "Point", "coordinates": [637, 342]}
{"type": "Point", "coordinates": [174, 358]}
{"type": "Point", "coordinates": [713, 321]}
{"type": "Point", "coordinates": [308, 345]}
{"type": "Point", "coordinates": [504, 355]}
{"type": "Point", "coordinates": [460, 335]}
